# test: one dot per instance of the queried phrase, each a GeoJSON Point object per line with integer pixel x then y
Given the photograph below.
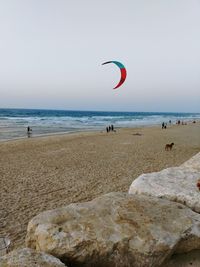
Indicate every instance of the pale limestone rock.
{"type": "Point", "coordinates": [27, 257]}
{"type": "Point", "coordinates": [176, 184]}
{"type": "Point", "coordinates": [193, 163]}
{"type": "Point", "coordinates": [116, 230]}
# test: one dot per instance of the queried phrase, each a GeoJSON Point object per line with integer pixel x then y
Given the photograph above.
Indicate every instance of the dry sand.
{"type": "Point", "coordinates": [37, 174]}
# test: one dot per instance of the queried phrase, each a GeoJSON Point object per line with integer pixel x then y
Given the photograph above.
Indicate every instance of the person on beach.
{"type": "Point", "coordinates": [110, 128]}
{"type": "Point", "coordinates": [163, 125]}
{"type": "Point", "coordinates": [29, 130]}
{"type": "Point", "coordinates": [113, 129]}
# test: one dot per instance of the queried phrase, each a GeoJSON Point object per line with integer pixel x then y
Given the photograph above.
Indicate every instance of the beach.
{"type": "Point", "coordinates": [43, 173]}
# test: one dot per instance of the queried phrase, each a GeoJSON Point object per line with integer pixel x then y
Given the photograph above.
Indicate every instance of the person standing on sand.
{"type": "Point", "coordinates": [29, 130]}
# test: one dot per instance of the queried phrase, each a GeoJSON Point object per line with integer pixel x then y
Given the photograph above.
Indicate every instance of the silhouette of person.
{"type": "Point", "coordinates": [29, 130]}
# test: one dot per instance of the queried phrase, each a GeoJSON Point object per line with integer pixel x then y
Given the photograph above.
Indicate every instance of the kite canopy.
{"type": "Point", "coordinates": [123, 72]}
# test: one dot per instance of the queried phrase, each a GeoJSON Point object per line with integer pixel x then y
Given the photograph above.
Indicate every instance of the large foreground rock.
{"type": "Point", "coordinates": [193, 163]}
{"type": "Point", "coordinates": [116, 230]}
{"type": "Point", "coordinates": [29, 258]}
{"type": "Point", "coordinates": [176, 184]}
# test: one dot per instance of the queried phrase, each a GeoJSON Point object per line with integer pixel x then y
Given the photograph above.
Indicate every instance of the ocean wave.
{"type": "Point", "coordinates": [15, 121]}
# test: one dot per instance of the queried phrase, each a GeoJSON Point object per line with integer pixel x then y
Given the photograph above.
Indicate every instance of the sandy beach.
{"type": "Point", "coordinates": [38, 174]}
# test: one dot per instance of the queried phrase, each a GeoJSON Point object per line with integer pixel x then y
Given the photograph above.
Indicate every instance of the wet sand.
{"type": "Point", "coordinates": [37, 174]}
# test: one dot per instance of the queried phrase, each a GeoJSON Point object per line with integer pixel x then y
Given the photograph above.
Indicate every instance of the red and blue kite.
{"type": "Point", "coordinates": [123, 72]}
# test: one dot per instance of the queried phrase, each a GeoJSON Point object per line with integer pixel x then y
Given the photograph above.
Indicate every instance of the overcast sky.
{"type": "Point", "coordinates": [51, 53]}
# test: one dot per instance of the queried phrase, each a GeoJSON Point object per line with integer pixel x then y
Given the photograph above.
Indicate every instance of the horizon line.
{"type": "Point", "coordinates": [90, 110]}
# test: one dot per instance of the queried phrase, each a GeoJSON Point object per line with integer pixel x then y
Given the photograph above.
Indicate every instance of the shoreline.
{"type": "Point", "coordinates": [43, 173]}
{"type": "Point", "coordinates": [88, 131]}
{"type": "Point", "coordinates": [74, 133]}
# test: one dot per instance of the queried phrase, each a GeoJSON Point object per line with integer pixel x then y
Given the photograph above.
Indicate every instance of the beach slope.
{"type": "Point", "coordinates": [39, 174]}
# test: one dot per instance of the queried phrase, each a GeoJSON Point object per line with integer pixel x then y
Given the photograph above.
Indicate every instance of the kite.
{"type": "Point", "coordinates": [123, 72]}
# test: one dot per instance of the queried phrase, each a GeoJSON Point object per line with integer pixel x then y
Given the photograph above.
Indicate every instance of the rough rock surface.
{"type": "Point", "coordinates": [190, 259]}
{"type": "Point", "coordinates": [193, 163]}
{"type": "Point", "coordinates": [176, 184]}
{"type": "Point", "coordinates": [116, 230]}
{"type": "Point", "coordinates": [29, 258]}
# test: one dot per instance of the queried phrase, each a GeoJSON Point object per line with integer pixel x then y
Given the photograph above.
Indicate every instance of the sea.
{"type": "Point", "coordinates": [14, 122]}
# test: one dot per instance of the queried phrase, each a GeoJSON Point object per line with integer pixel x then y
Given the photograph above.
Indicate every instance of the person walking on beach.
{"type": "Point", "coordinates": [112, 128]}
{"type": "Point", "coordinates": [29, 130]}
{"type": "Point", "coordinates": [163, 125]}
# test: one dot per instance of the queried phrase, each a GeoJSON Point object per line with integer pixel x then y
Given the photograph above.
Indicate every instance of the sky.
{"type": "Point", "coordinates": [51, 54]}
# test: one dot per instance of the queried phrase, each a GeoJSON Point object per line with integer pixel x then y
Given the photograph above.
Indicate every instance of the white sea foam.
{"type": "Point", "coordinates": [13, 123]}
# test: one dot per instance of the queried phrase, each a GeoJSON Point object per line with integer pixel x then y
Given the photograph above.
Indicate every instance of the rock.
{"type": "Point", "coordinates": [27, 257]}
{"type": "Point", "coordinates": [116, 230]}
{"type": "Point", "coordinates": [178, 184]}
{"type": "Point", "coordinates": [193, 163]}
{"type": "Point", "coordinates": [190, 259]}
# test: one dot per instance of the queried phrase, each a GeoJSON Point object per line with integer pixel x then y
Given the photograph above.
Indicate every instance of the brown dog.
{"type": "Point", "coordinates": [169, 146]}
